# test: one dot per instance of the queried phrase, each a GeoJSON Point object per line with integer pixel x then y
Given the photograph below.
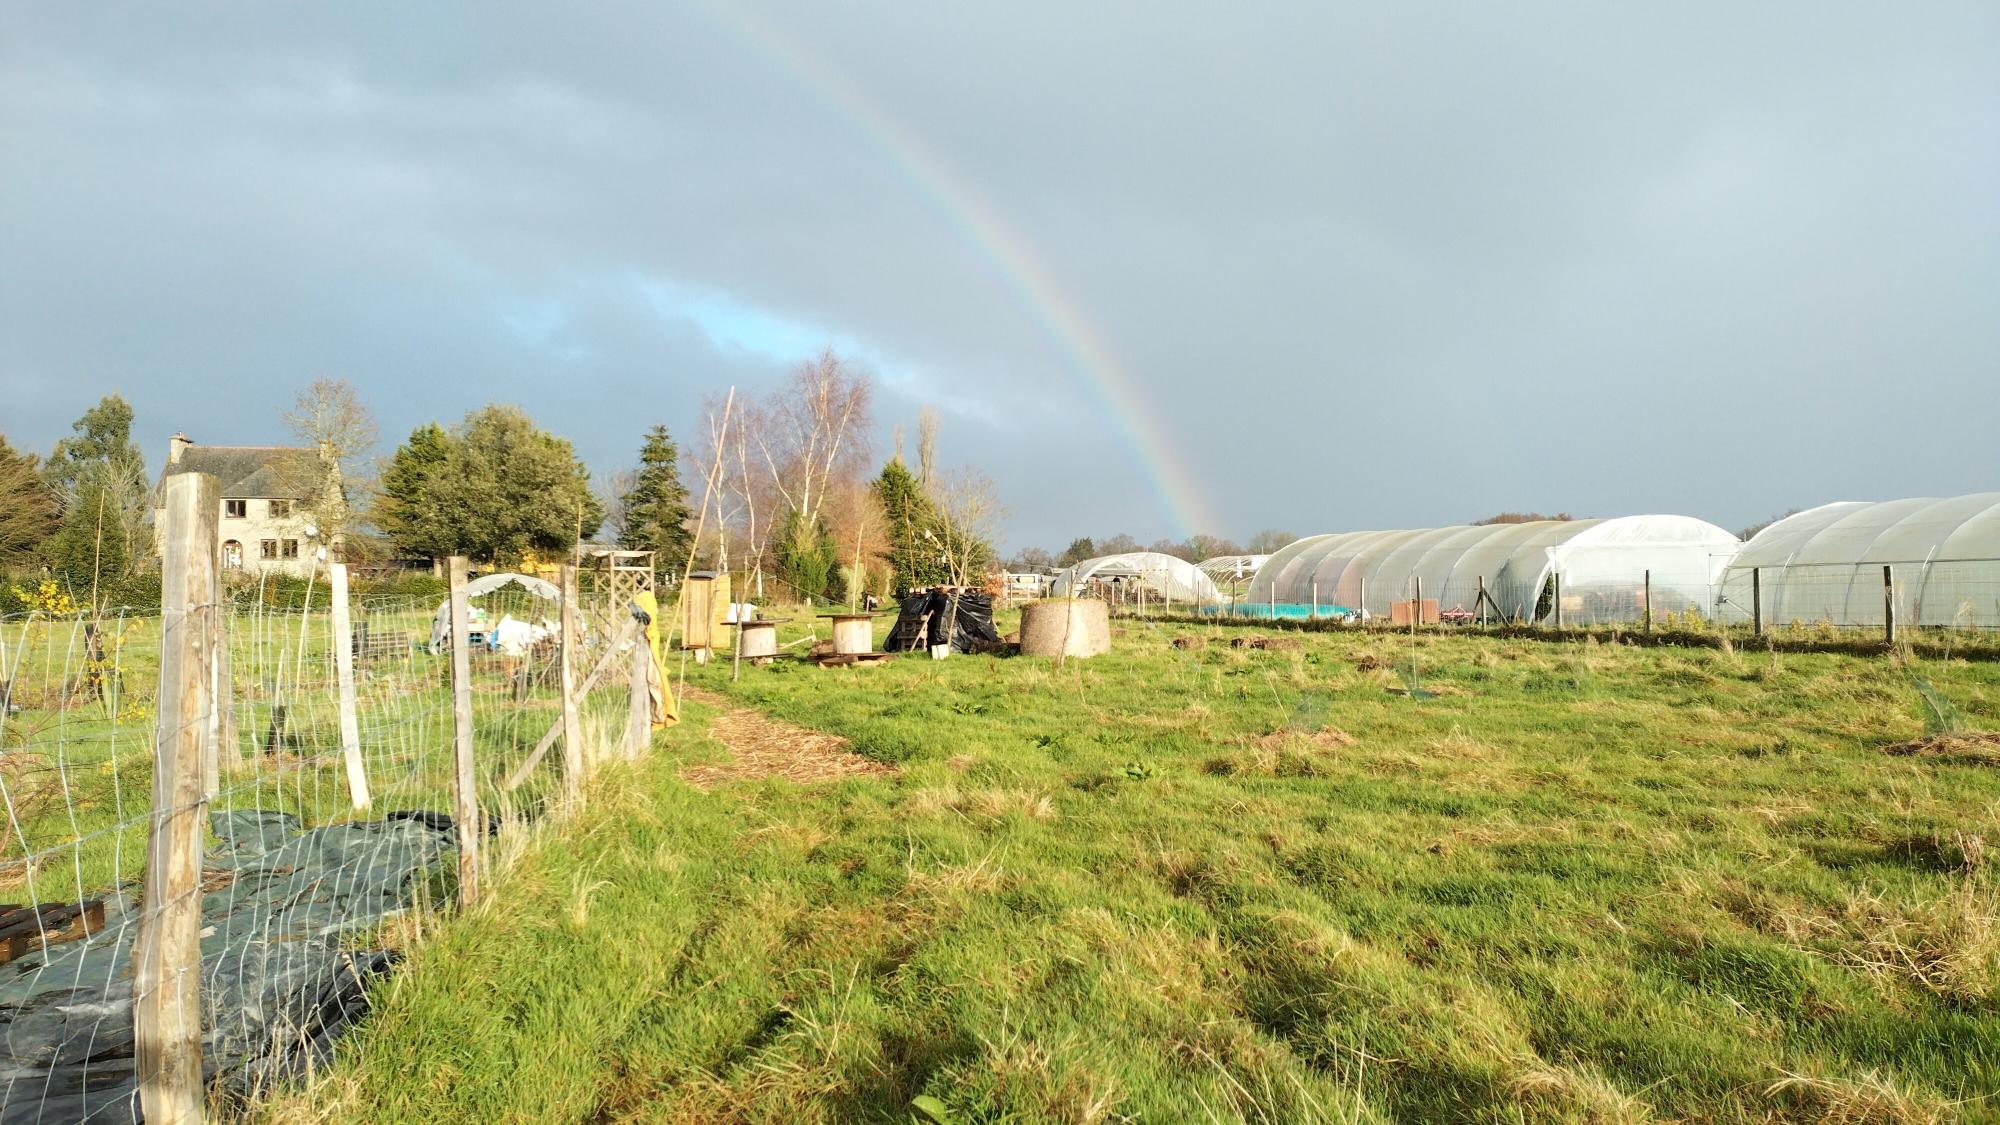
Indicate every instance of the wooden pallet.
{"type": "Point", "coordinates": [31, 929]}
{"type": "Point", "coordinates": [846, 660]}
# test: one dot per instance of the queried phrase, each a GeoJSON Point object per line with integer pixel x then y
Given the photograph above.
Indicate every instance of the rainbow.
{"type": "Point", "coordinates": [1116, 392]}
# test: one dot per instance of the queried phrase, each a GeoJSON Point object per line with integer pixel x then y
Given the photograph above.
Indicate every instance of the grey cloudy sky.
{"type": "Point", "coordinates": [1311, 266]}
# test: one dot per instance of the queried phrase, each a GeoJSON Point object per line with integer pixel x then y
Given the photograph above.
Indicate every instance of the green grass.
{"type": "Point", "coordinates": [1586, 882]}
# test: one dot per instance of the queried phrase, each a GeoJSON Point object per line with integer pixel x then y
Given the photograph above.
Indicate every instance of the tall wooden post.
{"type": "Point", "coordinates": [343, 671]}
{"type": "Point", "coordinates": [1649, 602]}
{"type": "Point", "coordinates": [1364, 599]}
{"type": "Point", "coordinates": [166, 984]}
{"type": "Point", "coordinates": [465, 788]}
{"type": "Point", "coordinates": [1416, 600]}
{"type": "Point", "coordinates": [1757, 600]}
{"type": "Point", "coordinates": [1556, 585]}
{"type": "Point", "coordinates": [1481, 603]}
{"type": "Point", "coordinates": [639, 715]}
{"type": "Point", "coordinates": [1315, 593]}
{"type": "Point", "coordinates": [572, 727]}
{"type": "Point", "coordinates": [1888, 605]}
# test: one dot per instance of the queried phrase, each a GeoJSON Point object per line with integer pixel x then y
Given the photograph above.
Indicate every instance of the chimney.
{"type": "Point", "coordinates": [177, 445]}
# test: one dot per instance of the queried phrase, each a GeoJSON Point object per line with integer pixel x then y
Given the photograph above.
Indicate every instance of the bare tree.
{"type": "Point", "coordinates": [611, 493]}
{"type": "Point", "coordinates": [927, 430]}
{"type": "Point", "coordinates": [968, 512]}
{"type": "Point", "coordinates": [812, 430]}
{"type": "Point", "coordinates": [328, 418]}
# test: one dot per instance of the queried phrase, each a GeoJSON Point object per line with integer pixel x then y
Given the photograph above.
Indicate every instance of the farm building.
{"type": "Point", "coordinates": [1161, 576]}
{"type": "Point", "coordinates": [1600, 567]}
{"type": "Point", "coordinates": [1825, 565]}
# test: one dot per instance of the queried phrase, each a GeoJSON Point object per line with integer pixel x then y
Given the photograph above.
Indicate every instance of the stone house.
{"type": "Point", "coordinates": [267, 495]}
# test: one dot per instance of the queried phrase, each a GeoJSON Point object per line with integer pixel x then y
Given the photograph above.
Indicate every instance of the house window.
{"type": "Point", "coordinates": [289, 548]}
{"type": "Point", "coordinates": [232, 553]}
{"type": "Point", "coordinates": [268, 549]}
{"type": "Point", "coordinates": [236, 509]}
{"type": "Point", "coordinates": [280, 509]}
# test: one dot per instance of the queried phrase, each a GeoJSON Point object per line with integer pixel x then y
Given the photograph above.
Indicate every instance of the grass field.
{"type": "Point", "coordinates": [1583, 882]}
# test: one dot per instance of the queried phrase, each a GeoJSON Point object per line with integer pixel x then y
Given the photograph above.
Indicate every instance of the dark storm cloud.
{"type": "Point", "coordinates": [1385, 266]}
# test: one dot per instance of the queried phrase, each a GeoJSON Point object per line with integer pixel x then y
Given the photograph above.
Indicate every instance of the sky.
{"type": "Point", "coordinates": [1161, 268]}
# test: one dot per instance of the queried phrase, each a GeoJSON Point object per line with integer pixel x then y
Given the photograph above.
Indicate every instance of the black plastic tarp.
{"type": "Point", "coordinates": [279, 978]}
{"type": "Point", "coordinates": [960, 618]}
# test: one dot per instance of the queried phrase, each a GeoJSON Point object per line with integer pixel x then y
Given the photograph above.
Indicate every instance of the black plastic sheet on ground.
{"type": "Point", "coordinates": [277, 985]}
{"type": "Point", "coordinates": [960, 618]}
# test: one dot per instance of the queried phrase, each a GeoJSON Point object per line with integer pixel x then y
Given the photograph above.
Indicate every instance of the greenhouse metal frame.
{"type": "Point", "coordinates": [1932, 562]}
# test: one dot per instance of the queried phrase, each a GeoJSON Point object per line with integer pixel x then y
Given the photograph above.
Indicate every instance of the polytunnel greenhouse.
{"type": "Point", "coordinates": [1161, 576]}
{"type": "Point", "coordinates": [1825, 565]}
{"type": "Point", "coordinates": [1583, 572]}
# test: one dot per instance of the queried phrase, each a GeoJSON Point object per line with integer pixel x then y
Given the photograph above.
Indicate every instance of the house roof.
{"type": "Point", "coordinates": [246, 470]}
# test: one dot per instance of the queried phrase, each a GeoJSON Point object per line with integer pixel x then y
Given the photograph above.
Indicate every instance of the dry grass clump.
{"type": "Point", "coordinates": [1575, 1092]}
{"type": "Point", "coordinates": [1968, 747]}
{"type": "Point", "coordinates": [983, 804]}
{"type": "Point", "coordinates": [1948, 946]}
{"type": "Point", "coordinates": [1871, 1099]}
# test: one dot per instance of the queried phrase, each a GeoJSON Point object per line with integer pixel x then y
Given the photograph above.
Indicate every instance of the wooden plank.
{"type": "Point", "coordinates": [166, 984]}
{"type": "Point", "coordinates": [343, 670]}
{"type": "Point", "coordinates": [572, 726]}
{"type": "Point", "coordinates": [465, 793]}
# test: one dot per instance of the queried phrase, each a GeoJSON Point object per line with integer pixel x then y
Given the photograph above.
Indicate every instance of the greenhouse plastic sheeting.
{"type": "Point", "coordinates": [1825, 565]}
{"type": "Point", "coordinates": [277, 985]}
{"type": "Point", "coordinates": [1164, 575]}
{"type": "Point", "coordinates": [1602, 565]}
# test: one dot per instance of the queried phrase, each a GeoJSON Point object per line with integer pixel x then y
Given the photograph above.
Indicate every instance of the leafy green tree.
{"type": "Point", "coordinates": [28, 510]}
{"type": "Point", "coordinates": [656, 506]}
{"type": "Point", "coordinates": [915, 558]}
{"type": "Point", "coordinates": [1079, 549]}
{"type": "Point", "coordinates": [99, 480]}
{"type": "Point", "coordinates": [406, 510]}
{"type": "Point", "coordinates": [805, 559]}
{"type": "Point", "coordinates": [494, 488]}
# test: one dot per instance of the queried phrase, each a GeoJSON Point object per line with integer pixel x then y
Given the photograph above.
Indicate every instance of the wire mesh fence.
{"type": "Point", "coordinates": [223, 818]}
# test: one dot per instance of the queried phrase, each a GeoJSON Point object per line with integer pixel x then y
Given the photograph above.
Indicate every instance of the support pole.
{"type": "Point", "coordinates": [1315, 592]}
{"type": "Point", "coordinates": [1757, 600]}
{"type": "Point", "coordinates": [572, 727]}
{"type": "Point", "coordinates": [639, 715]}
{"type": "Point", "coordinates": [465, 792]}
{"type": "Point", "coordinates": [166, 984]}
{"type": "Point", "coordinates": [1556, 585]}
{"type": "Point", "coordinates": [1416, 601]}
{"type": "Point", "coordinates": [1649, 603]}
{"type": "Point", "coordinates": [343, 670]}
{"type": "Point", "coordinates": [1888, 605]}
{"type": "Point", "coordinates": [1480, 601]}
{"type": "Point", "coordinates": [1364, 599]}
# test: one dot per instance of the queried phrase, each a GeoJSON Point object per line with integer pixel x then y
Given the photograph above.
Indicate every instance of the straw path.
{"type": "Point", "coordinates": [763, 747]}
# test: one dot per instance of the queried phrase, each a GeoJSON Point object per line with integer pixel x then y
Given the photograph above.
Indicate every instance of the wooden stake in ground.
{"type": "Point", "coordinates": [465, 804]}
{"type": "Point", "coordinates": [572, 727]}
{"type": "Point", "coordinates": [166, 979]}
{"type": "Point", "coordinates": [343, 671]}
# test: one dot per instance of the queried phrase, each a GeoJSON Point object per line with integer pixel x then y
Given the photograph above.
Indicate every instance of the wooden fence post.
{"type": "Point", "coordinates": [1757, 601]}
{"type": "Point", "coordinates": [1649, 602]}
{"type": "Point", "coordinates": [465, 791]}
{"type": "Point", "coordinates": [573, 761]}
{"type": "Point", "coordinates": [639, 714]}
{"type": "Point", "coordinates": [1481, 601]}
{"type": "Point", "coordinates": [1315, 593]}
{"type": "Point", "coordinates": [166, 984]}
{"type": "Point", "coordinates": [1556, 586]}
{"type": "Point", "coordinates": [1888, 605]}
{"type": "Point", "coordinates": [343, 671]}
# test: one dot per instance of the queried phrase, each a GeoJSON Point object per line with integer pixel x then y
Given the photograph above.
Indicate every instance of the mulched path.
{"type": "Point", "coordinates": [761, 746]}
